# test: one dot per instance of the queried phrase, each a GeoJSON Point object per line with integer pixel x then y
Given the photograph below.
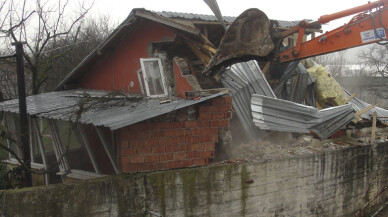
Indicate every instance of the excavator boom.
{"type": "Point", "coordinates": [365, 28]}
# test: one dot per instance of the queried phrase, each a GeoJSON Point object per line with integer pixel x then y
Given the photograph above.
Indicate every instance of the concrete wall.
{"type": "Point", "coordinates": [328, 184]}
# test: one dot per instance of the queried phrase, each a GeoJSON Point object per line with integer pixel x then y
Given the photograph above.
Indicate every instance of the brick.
{"type": "Point", "coordinates": [215, 138]}
{"type": "Point", "coordinates": [213, 123]}
{"type": "Point", "coordinates": [155, 133]}
{"type": "Point", "coordinates": [190, 124]}
{"type": "Point", "coordinates": [134, 143]}
{"type": "Point", "coordinates": [206, 131]}
{"type": "Point", "coordinates": [130, 168]}
{"type": "Point", "coordinates": [175, 148]}
{"type": "Point", "coordinates": [143, 135]}
{"type": "Point", "coordinates": [144, 150]}
{"type": "Point", "coordinates": [124, 161]}
{"type": "Point", "coordinates": [223, 123]}
{"type": "Point", "coordinates": [165, 141]}
{"type": "Point", "coordinates": [179, 156]}
{"type": "Point", "coordinates": [165, 157]}
{"type": "Point", "coordinates": [150, 126]}
{"type": "Point", "coordinates": [159, 166]}
{"type": "Point", "coordinates": [205, 116]}
{"type": "Point", "coordinates": [228, 99]}
{"type": "Point", "coordinates": [172, 164]}
{"type": "Point", "coordinates": [178, 140]}
{"type": "Point", "coordinates": [196, 131]}
{"type": "Point", "coordinates": [213, 108]}
{"type": "Point", "coordinates": [214, 131]}
{"type": "Point", "coordinates": [195, 147]}
{"type": "Point", "coordinates": [124, 144]}
{"type": "Point", "coordinates": [151, 158]}
{"type": "Point", "coordinates": [175, 132]}
{"type": "Point", "coordinates": [205, 138]}
{"type": "Point", "coordinates": [205, 154]}
{"type": "Point", "coordinates": [217, 116]}
{"type": "Point", "coordinates": [203, 123]}
{"type": "Point", "coordinates": [202, 110]}
{"type": "Point", "coordinates": [192, 139]}
{"type": "Point", "coordinates": [192, 154]}
{"type": "Point", "coordinates": [164, 125]}
{"type": "Point", "coordinates": [186, 163]}
{"type": "Point", "coordinates": [144, 167]}
{"type": "Point", "coordinates": [151, 142]}
{"type": "Point", "coordinates": [199, 162]}
{"type": "Point", "coordinates": [209, 146]}
{"type": "Point", "coordinates": [175, 125]}
{"type": "Point", "coordinates": [228, 115]}
{"type": "Point", "coordinates": [166, 133]}
{"type": "Point", "coordinates": [131, 134]}
{"type": "Point", "coordinates": [159, 149]}
{"type": "Point", "coordinates": [128, 151]}
{"type": "Point", "coordinates": [136, 159]}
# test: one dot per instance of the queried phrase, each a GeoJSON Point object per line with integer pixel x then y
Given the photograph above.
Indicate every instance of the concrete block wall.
{"type": "Point", "coordinates": [336, 183]}
{"type": "Point", "coordinates": [186, 138]}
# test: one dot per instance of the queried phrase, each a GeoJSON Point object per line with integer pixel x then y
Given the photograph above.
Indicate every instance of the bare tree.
{"type": "Point", "coordinates": [375, 58]}
{"type": "Point", "coordinates": [39, 24]}
{"type": "Point", "coordinates": [335, 63]}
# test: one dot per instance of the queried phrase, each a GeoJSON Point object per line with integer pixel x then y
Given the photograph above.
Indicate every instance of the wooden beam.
{"type": "Point", "coordinates": [107, 149]}
{"type": "Point", "coordinates": [36, 131]}
{"type": "Point", "coordinates": [350, 98]}
{"type": "Point", "coordinates": [84, 141]}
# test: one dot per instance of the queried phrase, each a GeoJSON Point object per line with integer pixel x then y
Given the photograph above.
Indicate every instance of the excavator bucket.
{"type": "Point", "coordinates": [248, 37]}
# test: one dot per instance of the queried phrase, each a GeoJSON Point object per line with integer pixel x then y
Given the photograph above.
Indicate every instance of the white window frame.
{"type": "Point", "coordinates": [141, 81]}
{"type": "Point", "coordinates": [142, 60]}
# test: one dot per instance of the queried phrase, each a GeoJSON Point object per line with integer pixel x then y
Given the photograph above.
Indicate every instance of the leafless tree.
{"type": "Point", "coordinates": [375, 58]}
{"type": "Point", "coordinates": [39, 24]}
{"type": "Point", "coordinates": [335, 63]}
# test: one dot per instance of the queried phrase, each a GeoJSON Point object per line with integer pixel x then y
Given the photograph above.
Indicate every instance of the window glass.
{"type": "Point", "coordinates": [13, 129]}
{"type": "Point", "coordinates": [76, 153]}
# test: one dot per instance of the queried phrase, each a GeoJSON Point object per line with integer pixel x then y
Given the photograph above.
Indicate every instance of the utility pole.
{"type": "Point", "coordinates": [23, 112]}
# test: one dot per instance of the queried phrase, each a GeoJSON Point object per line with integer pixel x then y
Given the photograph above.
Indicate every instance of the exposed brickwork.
{"type": "Point", "coordinates": [174, 141]}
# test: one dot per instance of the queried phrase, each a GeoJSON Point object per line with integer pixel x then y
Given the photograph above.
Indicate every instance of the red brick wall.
{"type": "Point", "coordinates": [174, 140]}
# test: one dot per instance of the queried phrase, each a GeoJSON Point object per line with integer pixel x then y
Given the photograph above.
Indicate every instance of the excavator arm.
{"type": "Point", "coordinates": [366, 27]}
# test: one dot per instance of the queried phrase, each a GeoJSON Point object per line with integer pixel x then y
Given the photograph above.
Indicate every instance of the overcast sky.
{"type": "Point", "coordinates": [275, 9]}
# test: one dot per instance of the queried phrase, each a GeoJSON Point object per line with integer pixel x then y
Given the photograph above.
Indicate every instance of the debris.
{"type": "Point", "coordinates": [281, 115]}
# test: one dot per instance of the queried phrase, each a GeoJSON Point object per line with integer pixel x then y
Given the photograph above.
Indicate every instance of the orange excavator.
{"type": "Point", "coordinates": [253, 36]}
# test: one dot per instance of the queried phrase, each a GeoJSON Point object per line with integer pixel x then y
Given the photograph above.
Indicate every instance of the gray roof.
{"type": "Point", "coordinates": [212, 18]}
{"type": "Point", "coordinates": [282, 115]}
{"type": "Point", "coordinates": [244, 79]}
{"type": "Point", "coordinates": [99, 108]}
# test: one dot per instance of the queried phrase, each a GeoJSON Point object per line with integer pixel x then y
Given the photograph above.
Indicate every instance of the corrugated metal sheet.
{"type": "Point", "coordinates": [281, 115]}
{"type": "Point", "coordinates": [243, 80]}
{"type": "Point", "coordinates": [212, 18]}
{"type": "Point", "coordinates": [115, 113]}
{"type": "Point", "coordinates": [359, 105]}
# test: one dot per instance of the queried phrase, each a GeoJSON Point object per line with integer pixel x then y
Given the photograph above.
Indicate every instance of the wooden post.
{"type": "Point", "coordinates": [373, 135]}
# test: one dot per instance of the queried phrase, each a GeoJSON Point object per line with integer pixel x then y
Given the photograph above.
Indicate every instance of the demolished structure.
{"type": "Point", "coordinates": [157, 94]}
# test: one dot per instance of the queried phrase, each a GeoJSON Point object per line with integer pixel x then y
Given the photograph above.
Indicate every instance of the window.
{"type": "Point", "coordinates": [153, 76]}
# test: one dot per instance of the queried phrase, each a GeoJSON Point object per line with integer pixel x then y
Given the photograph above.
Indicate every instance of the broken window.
{"type": "Point", "coordinates": [153, 75]}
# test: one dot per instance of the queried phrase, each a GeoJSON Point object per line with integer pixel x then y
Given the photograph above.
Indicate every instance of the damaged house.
{"type": "Point", "coordinates": [141, 102]}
